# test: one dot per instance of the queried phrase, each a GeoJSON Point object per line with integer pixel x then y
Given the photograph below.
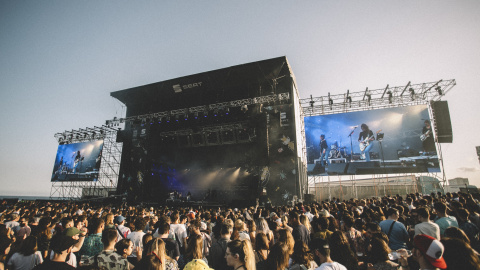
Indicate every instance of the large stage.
{"type": "Point", "coordinates": [240, 134]}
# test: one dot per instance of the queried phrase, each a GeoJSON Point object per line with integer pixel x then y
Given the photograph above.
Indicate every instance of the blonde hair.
{"type": "Point", "coordinates": [239, 225]}
{"type": "Point", "coordinates": [306, 222]}
{"type": "Point", "coordinates": [287, 238]}
{"type": "Point", "coordinates": [155, 253]}
{"type": "Point", "coordinates": [245, 252]}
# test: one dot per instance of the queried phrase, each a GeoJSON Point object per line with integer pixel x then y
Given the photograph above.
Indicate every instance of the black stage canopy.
{"type": "Point", "coordinates": [227, 84]}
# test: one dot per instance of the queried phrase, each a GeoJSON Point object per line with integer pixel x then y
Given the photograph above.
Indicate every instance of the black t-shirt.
{"type": "Point", "coordinates": [48, 265]}
{"type": "Point", "coordinates": [171, 247]}
{"type": "Point", "coordinates": [365, 134]}
{"type": "Point", "coordinates": [323, 145]}
{"type": "Point", "coordinates": [301, 233]}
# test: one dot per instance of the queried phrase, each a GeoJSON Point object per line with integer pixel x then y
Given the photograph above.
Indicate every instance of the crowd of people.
{"type": "Point", "coordinates": [436, 231]}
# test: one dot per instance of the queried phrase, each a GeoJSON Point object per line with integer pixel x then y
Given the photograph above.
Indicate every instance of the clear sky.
{"type": "Point", "coordinates": [59, 61]}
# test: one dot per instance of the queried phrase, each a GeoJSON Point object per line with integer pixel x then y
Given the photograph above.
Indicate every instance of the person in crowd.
{"type": "Point", "coordinates": [216, 258]}
{"type": "Point", "coordinates": [262, 227]}
{"type": "Point", "coordinates": [24, 230]}
{"type": "Point", "coordinates": [284, 236]}
{"type": "Point", "coordinates": [299, 231]}
{"type": "Point", "coordinates": [122, 230]}
{"type": "Point", "coordinates": [124, 248]}
{"type": "Point", "coordinates": [470, 229]}
{"type": "Point", "coordinates": [302, 258]}
{"type": "Point", "coordinates": [321, 225]}
{"type": "Point", "coordinates": [321, 253]}
{"type": "Point", "coordinates": [459, 254]}
{"type": "Point", "coordinates": [443, 220]}
{"type": "Point", "coordinates": [341, 251]}
{"type": "Point", "coordinates": [179, 230]}
{"type": "Point", "coordinates": [195, 249]}
{"type": "Point", "coordinates": [278, 258]}
{"type": "Point", "coordinates": [242, 232]}
{"type": "Point", "coordinates": [426, 226]}
{"type": "Point", "coordinates": [171, 246]}
{"type": "Point", "coordinates": [5, 245]}
{"type": "Point", "coordinates": [156, 257]}
{"type": "Point", "coordinates": [379, 256]}
{"type": "Point", "coordinates": [108, 258]}
{"type": "Point", "coordinates": [62, 246]}
{"type": "Point", "coordinates": [13, 221]}
{"type": "Point", "coordinates": [93, 242]}
{"type": "Point", "coordinates": [355, 238]}
{"type": "Point", "coordinates": [428, 252]}
{"type": "Point", "coordinates": [79, 236]}
{"type": "Point", "coordinates": [395, 231]}
{"type": "Point", "coordinates": [44, 235]}
{"type": "Point", "coordinates": [261, 248]}
{"type": "Point", "coordinates": [306, 222]}
{"type": "Point", "coordinates": [252, 230]}
{"type": "Point", "coordinates": [27, 257]}
{"type": "Point", "coordinates": [137, 239]}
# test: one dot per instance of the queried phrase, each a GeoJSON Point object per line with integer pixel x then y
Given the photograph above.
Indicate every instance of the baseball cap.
{"type": "Point", "coordinates": [62, 242]}
{"type": "Point", "coordinates": [273, 214]}
{"type": "Point", "coordinates": [324, 213]}
{"type": "Point", "coordinates": [118, 219]}
{"type": "Point", "coordinates": [71, 231]}
{"type": "Point", "coordinates": [191, 215]}
{"type": "Point", "coordinates": [197, 265]}
{"type": "Point", "coordinates": [431, 248]}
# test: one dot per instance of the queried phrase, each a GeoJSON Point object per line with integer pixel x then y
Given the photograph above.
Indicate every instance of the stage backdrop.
{"type": "Point", "coordinates": [401, 128]}
{"type": "Point", "coordinates": [78, 161]}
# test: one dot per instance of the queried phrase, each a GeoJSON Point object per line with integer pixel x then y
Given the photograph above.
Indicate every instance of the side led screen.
{"type": "Point", "coordinates": [78, 161]}
{"type": "Point", "coordinates": [384, 141]}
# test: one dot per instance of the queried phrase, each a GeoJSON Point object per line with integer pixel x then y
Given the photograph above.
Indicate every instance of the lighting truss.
{"type": "Point", "coordinates": [83, 135]}
{"type": "Point", "coordinates": [201, 109]}
{"type": "Point", "coordinates": [388, 97]}
{"type": "Point", "coordinates": [204, 129]}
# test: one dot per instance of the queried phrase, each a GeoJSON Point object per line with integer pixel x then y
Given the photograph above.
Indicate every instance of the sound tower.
{"type": "Point", "coordinates": [443, 125]}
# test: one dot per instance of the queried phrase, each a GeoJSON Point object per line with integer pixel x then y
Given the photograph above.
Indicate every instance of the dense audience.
{"type": "Point", "coordinates": [436, 231]}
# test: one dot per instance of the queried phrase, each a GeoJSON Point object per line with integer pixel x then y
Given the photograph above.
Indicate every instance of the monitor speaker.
{"type": "Point", "coordinates": [443, 125]}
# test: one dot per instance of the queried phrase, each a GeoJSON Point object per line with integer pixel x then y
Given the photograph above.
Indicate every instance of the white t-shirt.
{"type": "Point", "coordinates": [136, 238]}
{"type": "Point", "coordinates": [428, 228]}
{"type": "Point", "coordinates": [71, 261]}
{"type": "Point", "coordinates": [180, 231]}
{"type": "Point", "coordinates": [331, 266]}
{"type": "Point", "coordinates": [21, 262]}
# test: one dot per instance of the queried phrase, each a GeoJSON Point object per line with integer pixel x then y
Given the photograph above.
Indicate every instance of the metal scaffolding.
{"type": "Point", "coordinates": [388, 97]}
{"type": "Point", "coordinates": [109, 168]}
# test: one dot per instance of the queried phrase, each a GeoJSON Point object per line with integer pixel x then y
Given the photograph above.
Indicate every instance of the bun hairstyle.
{"type": "Point", "coordinates": [244, 251]}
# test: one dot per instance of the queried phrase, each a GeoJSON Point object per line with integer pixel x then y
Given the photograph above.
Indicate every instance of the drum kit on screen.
{"type": "Point", "coordinates": [337, 151]}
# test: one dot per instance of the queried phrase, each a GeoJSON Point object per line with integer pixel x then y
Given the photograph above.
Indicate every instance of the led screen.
{"type": "Point", "coordinates": [78, 161]}
{"type": "Point", "coordinates": [397, 145]}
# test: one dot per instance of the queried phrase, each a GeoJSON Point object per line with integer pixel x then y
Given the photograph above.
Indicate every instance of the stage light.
{"type": "Point", "coordinates": [439, 90]}
{"type": "Point", "coordinates": [349, 100]}
{"type": "Point", "coordinates": [390, 97]}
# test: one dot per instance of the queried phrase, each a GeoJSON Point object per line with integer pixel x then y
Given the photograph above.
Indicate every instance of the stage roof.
{"type": "Point", "coordinates": [244, 81]}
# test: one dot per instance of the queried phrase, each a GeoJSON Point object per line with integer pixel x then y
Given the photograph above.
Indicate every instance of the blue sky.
{"type": "Point", "coordinates": [59, 60]}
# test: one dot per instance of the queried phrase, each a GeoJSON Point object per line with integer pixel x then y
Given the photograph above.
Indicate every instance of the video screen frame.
{"type": "Point", "coordinates": [78, 162]}
{"type": "Point", "coordinates": [400, 142]}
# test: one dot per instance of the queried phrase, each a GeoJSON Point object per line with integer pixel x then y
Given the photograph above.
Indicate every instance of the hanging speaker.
{"type": "Point", "coordinates": [443, 125]}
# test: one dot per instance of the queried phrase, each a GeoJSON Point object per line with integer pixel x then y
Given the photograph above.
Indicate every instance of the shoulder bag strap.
{"type": "Point", "coordinates": [390, 230]}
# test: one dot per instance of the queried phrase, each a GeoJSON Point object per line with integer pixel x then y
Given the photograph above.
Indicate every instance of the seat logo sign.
{"type": "Point", "coordinates": [179, 88]}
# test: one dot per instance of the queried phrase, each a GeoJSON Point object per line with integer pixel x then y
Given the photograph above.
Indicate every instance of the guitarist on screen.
{"type": "Point", "coordinates": [366, 138]}
{"type": "Point", "coordinates": [428, 143]}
